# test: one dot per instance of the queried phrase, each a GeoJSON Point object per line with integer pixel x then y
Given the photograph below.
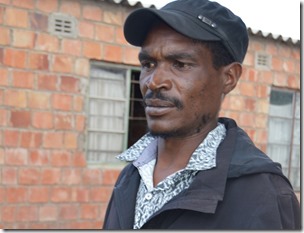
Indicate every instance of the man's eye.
{"type": "Point", "coordinates": [181, 65]}
{"type": "Point", "coordinates": [147, 65]}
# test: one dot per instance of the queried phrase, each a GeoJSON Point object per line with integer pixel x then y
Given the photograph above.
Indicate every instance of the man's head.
{"type": "Point", "coordinates": [200, 20]}
{"type": "Point", "coordinates": [184, 78]}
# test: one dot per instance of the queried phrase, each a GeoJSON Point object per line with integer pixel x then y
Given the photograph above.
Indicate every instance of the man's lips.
{"type": "Point", "coordinates": [157, 107]}
{"type": "Point", "coordinates": [157, 103]}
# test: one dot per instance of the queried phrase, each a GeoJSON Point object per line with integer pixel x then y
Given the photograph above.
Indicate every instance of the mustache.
{"type": "Point", "coordinates": [158, 95]}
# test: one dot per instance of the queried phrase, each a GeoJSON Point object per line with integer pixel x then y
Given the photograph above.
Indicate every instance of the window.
{"type": "Point", "coordinates": [116, 117]}
{"type": "Point", "coordinates": [284, 133]}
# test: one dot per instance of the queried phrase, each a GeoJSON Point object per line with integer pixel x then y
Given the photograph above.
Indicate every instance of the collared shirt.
{"type": "Point", "coordinates": [143, 155]}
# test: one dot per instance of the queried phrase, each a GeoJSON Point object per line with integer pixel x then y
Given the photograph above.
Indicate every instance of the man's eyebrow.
{"type": "Point", "coordinates": [143, 55]}
{"type": "Point", "coordinates": [180, 55]}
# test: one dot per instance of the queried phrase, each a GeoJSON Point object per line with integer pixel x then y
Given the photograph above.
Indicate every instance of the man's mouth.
{"type": "Point", "coordinates": [157, 107]}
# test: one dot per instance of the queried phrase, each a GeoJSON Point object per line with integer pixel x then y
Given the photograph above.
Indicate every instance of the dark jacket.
{"type": "Point", "coordinates": [246, 190]}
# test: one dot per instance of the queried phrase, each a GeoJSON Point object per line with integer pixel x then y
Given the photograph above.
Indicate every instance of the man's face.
{"type": "Point", "coordinates": [181, 89]}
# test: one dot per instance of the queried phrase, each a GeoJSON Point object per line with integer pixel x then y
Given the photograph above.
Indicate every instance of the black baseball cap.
{"type": "Point", "coordinates": [197, 19]}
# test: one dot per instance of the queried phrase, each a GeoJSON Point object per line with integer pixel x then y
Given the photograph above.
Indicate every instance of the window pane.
{"type": "Point", "coordinates": [296, 132]}
{"type": "Point", "coordinates": [298, 103]}
{"type": "Point", "coordinates": [281, 104]}
{"type": "Point", "coordinates": [279, 131]}
{"type": "Point", "coordinates": [280, 154]}
{"type": "Point", "coordinates": [107, 112]}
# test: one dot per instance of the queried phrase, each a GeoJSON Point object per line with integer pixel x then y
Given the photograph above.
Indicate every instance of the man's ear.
{"type": "Point", "coordinates": [232, 74]}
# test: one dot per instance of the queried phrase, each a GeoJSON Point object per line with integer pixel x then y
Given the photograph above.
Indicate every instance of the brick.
{"type": "Point", "coordinates": [263, 91]}
{"type": "Point", "coordinates": [27, 213]}
{"type": "Point", "coordinates": [3, 117]}
{"type": "Point", "coordinates": [16, 17]}
{"type": "Point", "coordinates": [47, 43]}
{"type": "Point", "coordinates": [48, 213]}
{"type": "Point", "coordinates": [2, 195]}
{"type": "Point", "coordinates": [47, 6]}
{"type": "Point", "coordinates": [16, 156]}
{"type": "Point", "coordinates": [92, 12]}
{"type": "Point", "coordinates": [109, 177]}
{"type": "Point", "coordinates": [80, 123]}
{"type": "Point", "coordinates": [15, 98]}
{"type": "Point", "coordinates": [9, 176]}
{"type": "Point", "coordinates": [86, 29]}
{"type": "Point", "coordinates": [80, 194]}
{"type": "Point", "coordinates": [30, 139]}
{"type": "Point", "coordinates": [82, 67]}
{"type": "Point", "coordinates": [130, 56]}
{"type": "Point", "coordinates": [8, 213]}
{"type": "Point", "coordinates": [4, 77]}
{"type": "Point", "coordinates": [28, 4]}
{"type": "Point", "coordinates": [92, 176]}
{"type": "Point", "coordinates": [71, 7]}
{"type": "Point", "coordinates": [105, 33]}
{"type": "Point", "coordinates": [20, 119]}
{"type": "Point", "coordinates": [53, 140]}
{"type": "Point", "coordinates": [39, 22]}
{"type": "Point", "coordinates": [69, 84]}
{"type": "Point", "coordinates": [50, 176]}
{"type": "Point", "coordinates": [113, 17]}
{"type": "Point", "coordinates": [261, 121]}
{"type": "Point", "coordinates": [23, 39]}
{"type": "Point", "coordinates": [70, 140]}
{"type": "Point", "coordinates": [39, 100]}
{"type": "Point", "coordinates": [5, 36]}
{"type": "Point", "coordinates": [100, 194]}
{"type": "Point", "coordinates": [23, 79]}
{"type": "Point", "coordinates": [247, 88]}
{"type": "Point", "coordinates": [38, 194]}
{"type": "Point", "coordinates": [29, 176]}
{"type": "Point", "coordinates": [15, 58]}
{"type": "Point", "coordinates": [17, 195]}
{"type": "Point", "coordinates": [38, 61]}
{"type": "Point", "coordinates": [255, 46]}
{"type": "Point", "coordinates": [92, 50]}
{"type": "Point", "coordinates": [64, 121]}
{"type": "Point", "coordinates": [271, 49]}
{"type": "Point", "coordinates": [71, 176]}
{"type": "Point", "coordinates": [72, 47]}
{"type": "Point", "coordinates": [39, 157]}
{"type": "Point", "coordinates": [262, 106]}
{"type": "Point", "coordinates": [238, 102]}
{"type": "Point", "coordinates": [262, 136]}
{"type": "Point", "coordinates": [277, 63]}
{"type": "Point", "coordinates": [1, 14]}
{"type": "Point", "coordinates": [266, 77]}
{"type": "Point", "coordinates": [79, 160]}
{"type": "Point", "coordinates": [249, 59]}
{"type": "Point", "coordinates": [280, 80]}
{"type": "Point", "coordinates": [1, 156]}
{"type": "Point", "coordinates": [60, 194]}
{"type": "Point", "coordinates": [247, 119]}
{"type": "Point", "coordinates": [63, 64]}
{"type": "Point", "coordinates": [60, 159]}
{"type": "Point", "coordinates": [119, 36]}
{"type": "Point", "coordinates": [113, 53]}
{"type": "Point", "coordinates": [43, 120]}
{"type": "Point", "coordinates": [293, 81]}
{"type": "Point", "coordinates": [47, 82]}
{"type": "Point", "coordinates": [69, 212]}
{"type": "Point", "coordinates": [89, 211]}
{"type": "Point", "coordinates": [11, 138]}
{"type": "Point", "coordinates": [62, 102]}
{"type": "Point", "coordinates": [289, 66]}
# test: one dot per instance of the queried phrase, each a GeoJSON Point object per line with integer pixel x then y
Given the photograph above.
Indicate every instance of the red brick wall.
{"type": "Point", "coordinates": [45, 181]}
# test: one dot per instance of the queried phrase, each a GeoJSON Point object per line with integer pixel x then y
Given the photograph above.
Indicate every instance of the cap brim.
{"type": "Point", "coordinates": [139, 22]}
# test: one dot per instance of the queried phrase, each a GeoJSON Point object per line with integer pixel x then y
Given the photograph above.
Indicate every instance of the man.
{"type": "Point", "coordinates": [194, 170]}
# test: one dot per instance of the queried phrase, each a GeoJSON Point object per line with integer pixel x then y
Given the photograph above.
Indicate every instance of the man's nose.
{"type": "Point", "coordinates": [159, 79]}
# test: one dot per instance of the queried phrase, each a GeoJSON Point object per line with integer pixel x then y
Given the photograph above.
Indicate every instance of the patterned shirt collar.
{"type": "Point", "coordinates": [204, 157]}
